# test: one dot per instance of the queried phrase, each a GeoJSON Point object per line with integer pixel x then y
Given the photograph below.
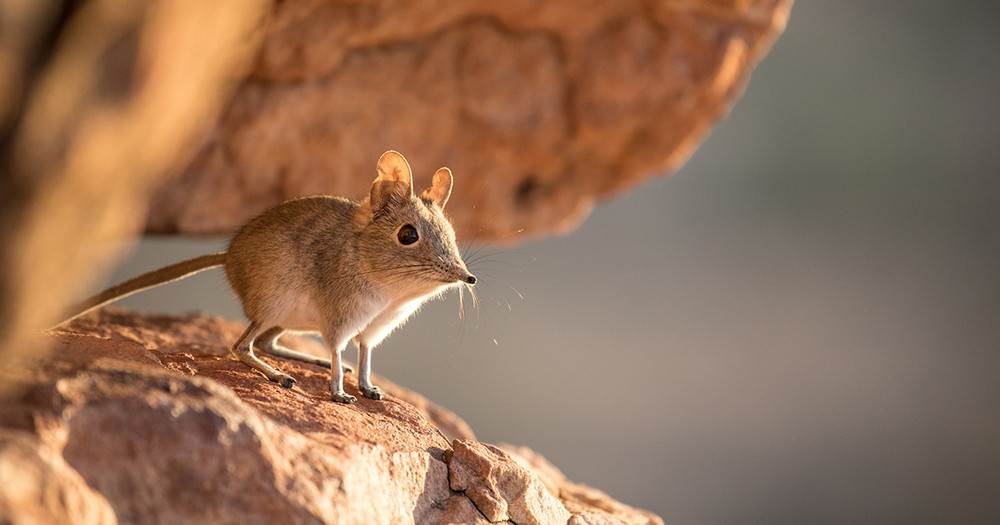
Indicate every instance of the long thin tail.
{"type": "Point", "coordinates": [167, 274]}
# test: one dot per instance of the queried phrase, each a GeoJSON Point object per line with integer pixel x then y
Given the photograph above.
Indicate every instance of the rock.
{"type": "Point", "coordinates": [147, 419]}
{"type": "Point", "coordinates": [99, 100]}
{"type": "Point", "coordinates": [539, 108]}
{"type": "Point", "coordinates": [588, 505]}
{"type": "Point", "coordinates": [40, 487]}
{"type": "Point", "coordinates": [501, 488]}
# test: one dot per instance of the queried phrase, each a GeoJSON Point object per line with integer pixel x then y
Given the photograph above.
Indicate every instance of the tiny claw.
{"type": "Point", "coordinates": [372, 392]}
{"type": "Point", "coordinates": [347, 369]}
{"type": "Point", "coordinates": [343, 397]}
{"type": "Point", "coordinates": [286, 381]}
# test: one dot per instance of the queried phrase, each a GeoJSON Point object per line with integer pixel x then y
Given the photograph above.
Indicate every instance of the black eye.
{"type": "Point", "coordinates": [407, 235]}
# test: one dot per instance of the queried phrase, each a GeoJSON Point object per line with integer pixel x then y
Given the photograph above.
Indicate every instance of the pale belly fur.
{"type": "Point", "coordinates": [370, 319]}
{"type": "Point", "coordinates": [300, 313]}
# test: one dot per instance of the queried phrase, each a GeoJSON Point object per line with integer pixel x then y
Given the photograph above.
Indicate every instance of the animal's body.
{"type": "Point", "coordinates": [348, 270]}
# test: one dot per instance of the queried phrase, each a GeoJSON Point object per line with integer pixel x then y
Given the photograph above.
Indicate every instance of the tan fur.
{"type": "Point", "coordinates": [336, 267]}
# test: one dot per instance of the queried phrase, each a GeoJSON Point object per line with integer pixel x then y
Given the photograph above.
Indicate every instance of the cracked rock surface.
{"type": "Point", "coordinates": [539, 108]}
{"type": "Point", "coordinates": [502, 489]}
{"type": "Point", "coordinates": [147, 419]}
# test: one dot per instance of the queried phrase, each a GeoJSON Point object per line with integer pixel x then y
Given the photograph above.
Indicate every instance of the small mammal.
{"type": "Point", "coordinates": [349, 270]}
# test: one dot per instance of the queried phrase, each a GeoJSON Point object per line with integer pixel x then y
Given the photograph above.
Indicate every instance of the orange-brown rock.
{"type": "Point", "coordinates": [502, 489]}
{"type": "Point", "coordinates": [539, 108]}
{"type": "Point", "coordinates": [140, 419]}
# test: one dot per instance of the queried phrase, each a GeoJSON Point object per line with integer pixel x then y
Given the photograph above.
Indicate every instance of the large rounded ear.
{"type": "Point", "coordinates": [394, 184]}
{"type": "Point", "coordinates": [440, 188]}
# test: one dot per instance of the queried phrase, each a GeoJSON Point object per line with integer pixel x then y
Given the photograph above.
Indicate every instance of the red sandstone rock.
{"type": "Point", "coordinates": [502, 489]}
{"type": "Point", "coordinates": [539, 108]}
{"type": "Point", "coordinates": [147, 419]}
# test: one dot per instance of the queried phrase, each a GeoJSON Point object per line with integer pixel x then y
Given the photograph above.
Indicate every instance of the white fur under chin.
{"type": "Point", "coordinates": [395, 315]}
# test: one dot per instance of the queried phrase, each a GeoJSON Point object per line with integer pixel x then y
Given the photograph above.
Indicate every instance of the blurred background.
{"type": "Point", "coordinates": [800, 326]}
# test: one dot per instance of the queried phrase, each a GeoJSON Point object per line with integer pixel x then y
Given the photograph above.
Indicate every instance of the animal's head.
{"type": "Point", "coordinates": [409, 243]}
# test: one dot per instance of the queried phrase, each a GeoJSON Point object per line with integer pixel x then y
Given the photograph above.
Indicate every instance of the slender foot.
{"type": "Point", "coordinates": [372, 392]}
{"type": "Point", "coordinates": [365, 371]}
{"type": "Point", "coordinates": [286, 380]}
{"type": "Point", "coordinates": [344, 397]}
{"type": "Point", "coordinates": [243, 349]}
{"type": "Point", "coordinates": [337, 369]}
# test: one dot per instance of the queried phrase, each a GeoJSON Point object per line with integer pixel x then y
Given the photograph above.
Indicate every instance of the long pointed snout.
{"type": "Point", "coordinates": [462, 275]}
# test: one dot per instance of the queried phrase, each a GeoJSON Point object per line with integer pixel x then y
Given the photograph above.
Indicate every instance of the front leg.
{"type": "Point", "coordinates": [336, 343]}
{"type": "Point", "coordinates": [365, 372]}
{"type": "Point", "coordinates": [337, 379]}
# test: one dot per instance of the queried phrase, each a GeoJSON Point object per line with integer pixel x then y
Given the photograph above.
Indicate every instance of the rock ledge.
{"type": "Point", "coordinates": [143, 419]}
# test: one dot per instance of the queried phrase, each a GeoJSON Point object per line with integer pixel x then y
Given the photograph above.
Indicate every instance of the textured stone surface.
{"type": "Point", "coordinates": [140, 419]}
{"type": "Point", "coordinates": [500, 487]}
{"type": "Point", "coordinates": [587, 505]}
{"type": "Point", "coordinates": [539, 108]}
{"type": "Point", "coordinates": [40, 487]}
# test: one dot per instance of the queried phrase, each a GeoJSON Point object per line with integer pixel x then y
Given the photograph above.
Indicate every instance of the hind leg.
{"type": "Point", "coordinates": [243, 349]}
{"type": "Point", "coordinates": [267, 342]}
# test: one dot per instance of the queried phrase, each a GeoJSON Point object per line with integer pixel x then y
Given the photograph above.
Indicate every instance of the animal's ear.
{"type": "Point", "coordinates": [394, 184]}
{"type": "Point", "coordinates": [440, 188]}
